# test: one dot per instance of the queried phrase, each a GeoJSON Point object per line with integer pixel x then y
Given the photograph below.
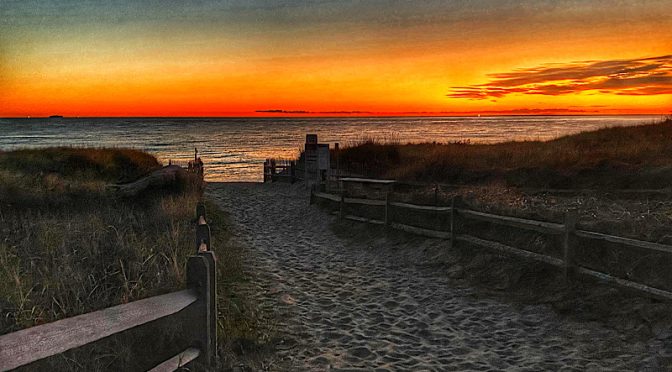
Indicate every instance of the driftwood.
{"type": "Point", "coordinates": [165, 176]}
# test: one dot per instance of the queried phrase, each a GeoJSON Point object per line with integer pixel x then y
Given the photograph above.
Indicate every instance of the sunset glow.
{"type": "Point", "coordinates": [252, 58]}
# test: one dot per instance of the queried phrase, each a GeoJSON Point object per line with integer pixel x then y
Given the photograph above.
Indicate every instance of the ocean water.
{"type": "Point", "coordinates": [234, 149]}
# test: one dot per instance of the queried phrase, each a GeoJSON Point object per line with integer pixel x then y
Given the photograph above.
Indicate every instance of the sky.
{"type": "Point", "coordinates": [324, 58]}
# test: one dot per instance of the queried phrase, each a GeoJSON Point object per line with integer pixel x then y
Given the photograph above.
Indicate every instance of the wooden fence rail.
{"type": "Point", "coordinates": [197, 304]}
{"type": "Point", "coordinates": [566, 230]}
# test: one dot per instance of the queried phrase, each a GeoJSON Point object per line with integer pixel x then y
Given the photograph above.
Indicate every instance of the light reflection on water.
{"type": "Point", "coordinates": [234, 149]}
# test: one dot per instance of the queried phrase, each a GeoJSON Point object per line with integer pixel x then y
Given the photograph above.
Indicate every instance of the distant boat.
{"type": "Point", "coordinates": [55, 116]}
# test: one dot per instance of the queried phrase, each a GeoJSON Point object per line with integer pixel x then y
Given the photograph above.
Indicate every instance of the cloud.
{"type": "Point", "coordinates": [632, 77]}
{"type": "Point", "coordinates": [278, 111]}
{"type": "Point", "coordinates": [573, 110]}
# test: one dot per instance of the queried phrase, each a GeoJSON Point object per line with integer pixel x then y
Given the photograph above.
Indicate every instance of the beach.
{"type": "Point", "coordinates": [351, 186]}
{"type": "Point", "coordinates": [344, 303]}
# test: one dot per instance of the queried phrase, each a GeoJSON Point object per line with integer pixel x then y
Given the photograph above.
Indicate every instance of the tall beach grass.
{"type": "Point", "coordinates": [621, 157]}
{"type": "Point", "coordinates": [70, 245]}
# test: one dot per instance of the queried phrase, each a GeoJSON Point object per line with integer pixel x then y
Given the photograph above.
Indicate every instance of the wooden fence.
{"type": "Point", "coordinates": [566, 230]}
{"type": "Point", "coordinates": [196, 305]}
{"type": "Point", "coordinates": [283, 170]}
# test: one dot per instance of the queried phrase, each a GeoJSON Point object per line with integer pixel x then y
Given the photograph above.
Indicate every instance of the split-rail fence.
{"type": "Point", "coordinates": [566, 230]}
{"type": "Point", "coordinates": [196, 305]}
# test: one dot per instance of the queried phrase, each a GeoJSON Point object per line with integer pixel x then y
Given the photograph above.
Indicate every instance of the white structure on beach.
{"type": "Point", "coordinates": [317, 161]}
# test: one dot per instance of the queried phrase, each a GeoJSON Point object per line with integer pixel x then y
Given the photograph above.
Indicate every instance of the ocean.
{"type": "Point", "coordinates": [233, 149]}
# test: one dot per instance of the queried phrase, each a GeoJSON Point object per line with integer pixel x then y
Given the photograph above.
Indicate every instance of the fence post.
{"type": "Point", "coordinates": [451, 244]}
{"type": "Point", "coordinates": [437, 225]}
{"type": "Point", "coordinates": [387, 208]}
{"type": "Point", "coordinates": [569, 243]}
{"type": "Point", "coordinates": [200, 276]}
{"type": "Point", "coordinates": [265, 170]}
{"type": "Point", "coordinates": [337, 149]}
{"type": "Point", "coordinates": [200, 211]}
{"type": "Point", "coordinates": [341, 207]}
{"type": "Point", "coordinates": [203, 238]}
{"type": "Point", "coordinates": [292, 171]}
{"type": "Point", "coordinates": [272, 170]}
{"type": "Point", "coordinates": [211, 303]}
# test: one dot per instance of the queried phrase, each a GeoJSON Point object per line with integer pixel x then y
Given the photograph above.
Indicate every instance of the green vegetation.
{"type": "Point", "coordinates": [618, 158]}
{"type": "Point", "coordinates": [70, 245]}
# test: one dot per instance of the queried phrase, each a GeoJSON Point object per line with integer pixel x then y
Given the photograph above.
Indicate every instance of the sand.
{"type": "Point", "coordinates": [342, 305]}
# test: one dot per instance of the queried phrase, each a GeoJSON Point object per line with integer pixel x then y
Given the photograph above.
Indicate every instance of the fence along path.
{"type": "Point", "coordinates": [566, 230]}
{"type": "Point", "coordinates": [197, 303]}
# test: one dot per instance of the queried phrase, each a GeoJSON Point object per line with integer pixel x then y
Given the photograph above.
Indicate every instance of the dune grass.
{"type": "Point", "coordinates": [622, 157]}
{"type": "Point", "coordinates": [70, 245]}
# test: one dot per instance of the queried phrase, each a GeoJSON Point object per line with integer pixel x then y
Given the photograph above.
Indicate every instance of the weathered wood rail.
{"type": "Point", "coordinates": [196, 305]}
{"type": "Point", "coordinates": [567, 231]}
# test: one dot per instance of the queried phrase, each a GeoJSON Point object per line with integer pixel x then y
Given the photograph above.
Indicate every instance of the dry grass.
{"type": "Point", "coordinates": [106, 164]}
{"type": "Point", "coordinates": [625, 157]}
{"type": "Point", "coordinates": [69, 246]}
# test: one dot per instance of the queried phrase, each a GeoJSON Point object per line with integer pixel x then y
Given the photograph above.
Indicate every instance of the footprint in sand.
{"type": "Point", "coordinates": [287, 299]}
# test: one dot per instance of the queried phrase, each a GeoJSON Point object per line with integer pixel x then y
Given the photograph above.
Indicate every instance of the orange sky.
{"type": "Point", "coordinates": [238, 58]}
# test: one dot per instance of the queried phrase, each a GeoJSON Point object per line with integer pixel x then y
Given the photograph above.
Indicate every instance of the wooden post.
{"type": "Point", "coordinates": [200, 277]}
{"type": "Point", "coordinates": [337, 149]}
{"type": "Point", "coordinates": [451, 244]}
{"type": "Point", "coordinates": [203, 238]}
{"type": "Point", "coordinates": [292, 171]}
{"type": "Point", "coordinates": [387, 208]}
{"type": "Point", "coordinates": [312, 195]}
{"type": "Point", "coordinates": [569, 243]}
{"type": "Point", "coordinates": [437, 225]}
{"type": "Point", "coordinates": [341, 207]}
{"type": "Point", "coordinates": [211, 303]}
{"type": "Point", "coordinates": [265, 170]}
{"type": "Point", "coordinates": [200, 210]}
{"type": "Point", "coordinates": [272, 170]}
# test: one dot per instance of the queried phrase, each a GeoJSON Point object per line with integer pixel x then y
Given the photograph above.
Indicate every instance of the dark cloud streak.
{"type": "Point", "coordinates": [636, 77]}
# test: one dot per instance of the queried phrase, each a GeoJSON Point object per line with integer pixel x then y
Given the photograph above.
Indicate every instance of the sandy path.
{"type": "Point", "coordinates": [343, 305]}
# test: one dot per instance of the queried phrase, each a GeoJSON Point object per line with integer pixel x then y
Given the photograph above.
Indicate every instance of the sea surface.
{"type": "Point", "coordinates": [234, 149]}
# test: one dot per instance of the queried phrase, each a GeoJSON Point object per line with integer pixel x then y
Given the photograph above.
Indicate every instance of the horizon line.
{"type": "Point", "coordinates": [391, 115]}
